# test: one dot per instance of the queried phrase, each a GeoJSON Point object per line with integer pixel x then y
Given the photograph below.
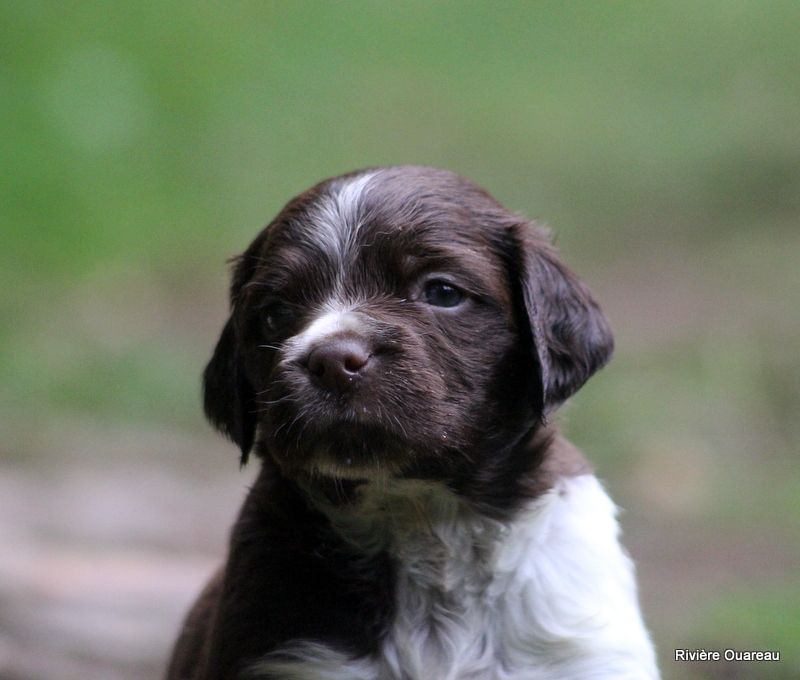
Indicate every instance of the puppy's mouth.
{"type": "Point", "coordinates": [361, 414]}
{"type": "Point", "coordinates": [360, 452]}
{"type": "Point", "coordinates": [345, 441]}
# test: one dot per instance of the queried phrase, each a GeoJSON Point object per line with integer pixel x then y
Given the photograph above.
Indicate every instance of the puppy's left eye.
{"type": "Point", "coordinates": [277, 317]}
{"type": "Point", "coordinates": [442, 294]}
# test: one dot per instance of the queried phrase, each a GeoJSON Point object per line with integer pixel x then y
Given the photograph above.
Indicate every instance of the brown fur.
{"type": "Point", "coordinates": [457, 396]}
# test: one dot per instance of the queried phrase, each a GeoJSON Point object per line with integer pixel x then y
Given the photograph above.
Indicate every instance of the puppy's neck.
{"type": "Point", "coordinates": [436, 538]}
{"type": "Point", "coordinates": [513, 476]}
{"type": "Point", "coordinates": [399, 514]}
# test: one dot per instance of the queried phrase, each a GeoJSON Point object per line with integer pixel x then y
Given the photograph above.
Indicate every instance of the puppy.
{"type": "Point", "coordinates": [397, 345]}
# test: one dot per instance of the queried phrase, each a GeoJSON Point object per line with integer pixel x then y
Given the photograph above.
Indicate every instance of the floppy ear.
{"type": "Point", "coordinates": [228, 397]}
{"type": "Point", "coordinates": [570, 335]}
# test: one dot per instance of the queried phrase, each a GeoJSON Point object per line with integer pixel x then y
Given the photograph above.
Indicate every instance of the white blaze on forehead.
{"type": "Point", "coordinates": [349, 197]}
{"type": "Point", "coordinates": [333, 226]}
{"type": "Point", "coordinates": [337, 217]}
{"type": "Point", "coordinates": [331, 322]}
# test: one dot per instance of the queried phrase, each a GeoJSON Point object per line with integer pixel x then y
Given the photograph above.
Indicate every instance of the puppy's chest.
{"type": "Point", "coordinates": [549, 596]}
{"type": "Point", "coordinates": [458, 600]}
{"type": "Point", "coordinates": [452, 583]}
{"type": "Point", "coordinates": [450, 604]}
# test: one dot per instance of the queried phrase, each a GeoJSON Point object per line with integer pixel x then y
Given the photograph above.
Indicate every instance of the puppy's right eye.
{"type": "Point", "coordinates": [440, 293]}
{"type": "Point", "coordinates": [277, 317]}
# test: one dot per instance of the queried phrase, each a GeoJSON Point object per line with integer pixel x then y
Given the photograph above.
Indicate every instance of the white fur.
{"type": "Point", "coordinates": [334, 319]}
{"type": "Point", "coordinates": [550, 596]}
{"type": "Point", "coordinates": [336, 218]}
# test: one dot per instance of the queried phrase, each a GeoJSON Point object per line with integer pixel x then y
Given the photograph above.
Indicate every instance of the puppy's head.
{"type": "Point", "coordinates": [398, 321]}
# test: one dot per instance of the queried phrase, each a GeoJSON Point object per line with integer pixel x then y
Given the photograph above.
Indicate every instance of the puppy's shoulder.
{"type": "Point", "coordinates": [579, 602]}
{"type": "Point", "coordinates": [190, 652]}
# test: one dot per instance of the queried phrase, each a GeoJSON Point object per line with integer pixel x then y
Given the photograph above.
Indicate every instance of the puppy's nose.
{"type": "Point", "coordinates": [338, 363]}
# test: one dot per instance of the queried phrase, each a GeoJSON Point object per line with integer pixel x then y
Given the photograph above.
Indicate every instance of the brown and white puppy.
{"type": "Point", "coordinates": [397, 341]}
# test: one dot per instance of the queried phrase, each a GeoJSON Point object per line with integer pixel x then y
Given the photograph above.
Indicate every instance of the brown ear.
{"type": "Point", "coordinates": [570, 335]}
{"type": "Point", "coordinates": [228, 398]}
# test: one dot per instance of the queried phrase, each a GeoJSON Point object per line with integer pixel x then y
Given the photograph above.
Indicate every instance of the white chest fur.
{"type": "Point", "coordinates": [551, 596]}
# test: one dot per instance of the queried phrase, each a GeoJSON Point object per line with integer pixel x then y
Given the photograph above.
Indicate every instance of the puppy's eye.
{"type": "Point", "coordinates": [277, 317]}
{"type": "Point", "coordinates": [442, 294]}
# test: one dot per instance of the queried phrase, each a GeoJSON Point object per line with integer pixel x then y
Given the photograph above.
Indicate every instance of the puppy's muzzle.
{"type": "Point", "coordinates": [338, 364]}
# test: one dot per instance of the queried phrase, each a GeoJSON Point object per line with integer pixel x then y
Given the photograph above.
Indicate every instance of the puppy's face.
{"type": "Point", "coordinates": [401, 322]}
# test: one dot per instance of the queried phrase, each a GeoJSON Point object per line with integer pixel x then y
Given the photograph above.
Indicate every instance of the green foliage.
{"type": "Point", "coordinates": [133, 127]}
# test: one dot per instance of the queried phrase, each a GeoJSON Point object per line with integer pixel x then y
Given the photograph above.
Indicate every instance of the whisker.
{"type": "Point", "coordinates": [270, 402]}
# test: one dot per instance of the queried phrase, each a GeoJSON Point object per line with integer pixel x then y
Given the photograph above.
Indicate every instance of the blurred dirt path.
{"type": "Point", "coordinates": [103, 554]}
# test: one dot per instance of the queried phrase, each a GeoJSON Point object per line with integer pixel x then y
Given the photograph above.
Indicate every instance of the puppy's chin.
{"type": "Point", "coordinates": [346, 451]}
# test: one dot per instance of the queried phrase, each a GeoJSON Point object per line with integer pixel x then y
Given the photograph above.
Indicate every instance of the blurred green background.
{"type": "Point", "coordinates": [144, 143]}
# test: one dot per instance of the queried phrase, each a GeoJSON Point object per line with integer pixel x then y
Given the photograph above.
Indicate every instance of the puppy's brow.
{"type": "Point", "coordinates": [335, 220]}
